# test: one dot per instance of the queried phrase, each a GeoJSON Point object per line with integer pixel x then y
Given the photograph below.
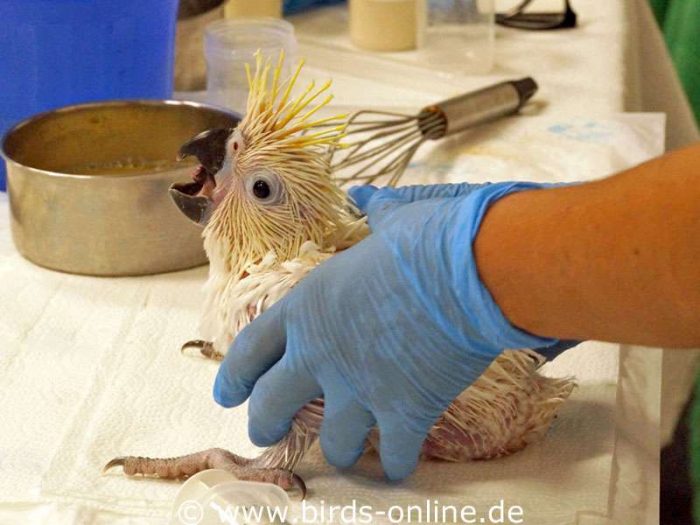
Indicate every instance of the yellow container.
{"type": "Point", "coordinates": [253, 8]}
{"type": "Point", "coordinates": [386, 25]}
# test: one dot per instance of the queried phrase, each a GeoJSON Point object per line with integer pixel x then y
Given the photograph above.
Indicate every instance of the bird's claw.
{"type": "Point", "coordinates": [298, 485]}
{"type": "Point", "coordinates": [206, 349]}
{"type": "Point", "coordinates": [199, 344]}
{"type": "Point", "coordinates": [116, 462]}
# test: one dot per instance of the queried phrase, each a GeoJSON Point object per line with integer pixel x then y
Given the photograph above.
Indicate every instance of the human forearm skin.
{"type": "Point", "coordinates": [612, 260]}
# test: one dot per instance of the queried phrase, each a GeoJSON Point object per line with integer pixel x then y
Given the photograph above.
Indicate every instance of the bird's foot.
{"type": "Point", "coordinates": [206, 349]}
{"type": "Point", "coordinates": [186, 466]}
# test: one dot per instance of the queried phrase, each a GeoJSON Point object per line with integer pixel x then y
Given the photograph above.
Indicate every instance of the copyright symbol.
{"type": "Point", "coordinates": [190, 512]}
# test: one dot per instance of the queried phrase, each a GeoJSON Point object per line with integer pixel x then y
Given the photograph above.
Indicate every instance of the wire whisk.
{"type": "Point", "coordinates": [382, 143]}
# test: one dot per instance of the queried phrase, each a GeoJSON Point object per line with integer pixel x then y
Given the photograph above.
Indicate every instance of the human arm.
{"type": "Point", "coordinates": [615, 260]}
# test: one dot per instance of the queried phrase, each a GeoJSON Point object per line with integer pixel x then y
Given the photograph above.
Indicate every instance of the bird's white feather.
{"type": "Point", "coordinates": [232, 303]}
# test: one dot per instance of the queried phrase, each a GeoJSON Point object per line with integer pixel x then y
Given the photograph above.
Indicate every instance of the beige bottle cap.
{"type": "Point", "coordinates": [253, 8]}
{"type": "Point", "coordinates": [386, 25]}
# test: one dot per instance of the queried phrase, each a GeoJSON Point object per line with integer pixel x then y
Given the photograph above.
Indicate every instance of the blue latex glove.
{"type": "Point", "coordinates": [389, 332]}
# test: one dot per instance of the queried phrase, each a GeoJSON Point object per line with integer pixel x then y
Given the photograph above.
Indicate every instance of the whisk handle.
{"type": "Point", "coordinates": [484, 105]}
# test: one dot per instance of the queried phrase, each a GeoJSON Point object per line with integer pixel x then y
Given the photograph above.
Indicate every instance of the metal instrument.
{"type": "Point", "coordinates": [381, 143]}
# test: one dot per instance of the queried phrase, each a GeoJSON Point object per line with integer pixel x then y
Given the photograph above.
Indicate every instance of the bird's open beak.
{"type": "Point", "coordinates": [194, 199]}
{"type": "Point", "coordinates": [209, 147]}
{"type": "Point", "coordinates": [197, 208]}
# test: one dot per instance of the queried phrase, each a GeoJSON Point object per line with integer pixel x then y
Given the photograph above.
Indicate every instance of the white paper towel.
{"type": "Point", "coordinates": [90, 369]}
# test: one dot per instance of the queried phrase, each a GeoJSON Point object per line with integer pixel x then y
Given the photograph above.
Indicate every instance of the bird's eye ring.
{"type": "Point", "coordinates": [264, 187]}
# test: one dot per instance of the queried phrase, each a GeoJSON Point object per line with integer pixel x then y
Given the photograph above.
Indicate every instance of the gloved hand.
{"type": "Point", "coordinates": [389, 332]}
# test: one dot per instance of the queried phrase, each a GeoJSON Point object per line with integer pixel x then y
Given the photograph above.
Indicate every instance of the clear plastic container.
{"type": "Point", "coordinates": [212, 497]}
{"type": "Point", "coordinates": [463, 25]}
{"type": "Point", "coordinates": [230, 44]}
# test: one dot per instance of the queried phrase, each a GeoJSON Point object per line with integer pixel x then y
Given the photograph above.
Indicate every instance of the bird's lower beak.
{"type": "Point", "coordinates": [194, 199]}
{"type": "Point", "coordinates": [196, 207]}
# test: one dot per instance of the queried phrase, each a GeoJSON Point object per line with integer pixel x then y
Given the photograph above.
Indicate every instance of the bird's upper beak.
{"type": "Point", "coordinates": [194, 199]}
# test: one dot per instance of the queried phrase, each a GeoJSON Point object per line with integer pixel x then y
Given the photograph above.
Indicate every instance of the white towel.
{"type": "Point", "coordinates": [90, 369]}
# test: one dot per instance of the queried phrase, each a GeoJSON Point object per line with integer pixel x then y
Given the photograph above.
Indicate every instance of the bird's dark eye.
{"type": "Point", "coordinates": [261, 189]}
{"type": "Point", "coordinates": [265, 187]}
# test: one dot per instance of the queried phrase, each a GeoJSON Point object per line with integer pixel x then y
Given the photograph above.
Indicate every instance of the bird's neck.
{"type": "Point", "coordinates": [226, 261]}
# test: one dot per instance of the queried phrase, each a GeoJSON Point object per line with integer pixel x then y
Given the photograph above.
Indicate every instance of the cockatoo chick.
{"type": "Point", "coordinates": [271, 213]}
{"type": "Point", "coordinates": [265, 195]}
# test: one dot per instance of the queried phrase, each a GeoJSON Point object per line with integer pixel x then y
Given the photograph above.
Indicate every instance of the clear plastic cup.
{"type": "Point", "coordinates": [460, 36]}
{"type": "Point", "coordinates": [230, 44]}
{"type": "Point", "coordinates": [213, 497]}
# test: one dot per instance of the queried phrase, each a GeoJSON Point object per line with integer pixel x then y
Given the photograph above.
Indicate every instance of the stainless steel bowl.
{"type": "Point", "coordinates": [88, 186]}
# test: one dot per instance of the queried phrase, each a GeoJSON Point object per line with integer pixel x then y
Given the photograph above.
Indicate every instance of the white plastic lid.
{"type": "Point", "coordinates": [215, 497]}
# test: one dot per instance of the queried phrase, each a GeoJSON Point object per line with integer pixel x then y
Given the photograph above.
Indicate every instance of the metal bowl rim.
{"type": "Point", "coordinates": [100, 104]}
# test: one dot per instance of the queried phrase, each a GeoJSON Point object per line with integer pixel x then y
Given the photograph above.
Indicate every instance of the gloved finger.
{"type": "Point", "coordinates": [400, 444]}
{"type": "Point", "coordinates": [276, 398]}
{"type": "Point", "coordinates": [550, 352]}
{"type": "Point", "coordinates": [345, 426]}
{"type": "Point", "coordinates": [380, 205]}
{"type": "Point", "coordinates": [363, 195]}
{"type": "Point", "coordinates": [256, 348]}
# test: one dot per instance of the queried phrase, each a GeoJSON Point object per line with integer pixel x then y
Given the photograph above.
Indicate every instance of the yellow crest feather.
{"type": "Point", "coordinates": [273, 112]}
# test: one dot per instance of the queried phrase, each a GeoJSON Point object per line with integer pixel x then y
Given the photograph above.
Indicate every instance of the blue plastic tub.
{"type": "Point", "coordinates": [59, 52]}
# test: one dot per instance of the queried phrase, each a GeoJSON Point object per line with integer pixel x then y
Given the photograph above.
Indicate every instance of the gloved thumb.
{"type": "Point", "coordinates": [376, 203]}
{"type": "Point", "coordinates": [362, 195]}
